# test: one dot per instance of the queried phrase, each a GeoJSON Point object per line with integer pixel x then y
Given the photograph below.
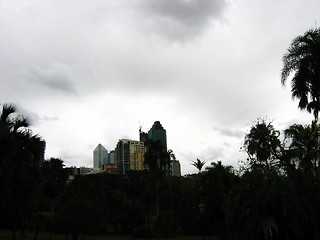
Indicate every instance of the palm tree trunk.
{"type": "Point", "coordinates": [51, 219]}
{"type": "Point", "coordinates": [23, 228]}
{"type": "Point", "coordinates": [36, 234]}
{"type": "Point", "coordinates": [14, 232]}
{"type": "Point", "coordinates": [157, 198]}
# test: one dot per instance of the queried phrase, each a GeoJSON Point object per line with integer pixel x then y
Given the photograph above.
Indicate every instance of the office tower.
{"type": "Point", "coordinates": [175, 168]}
{"type": "Point", "coordinates": [109, 166]}
{"type": "Point", "coordinates": [137, 151]}
{"type": "Point", "coordinates": [129, 155]}
{"type": "Point", "coordinates": [122, 156]}
{"type": "Point", "coordinates": [111, 157]}
{"type": "Point", "coordinates": [158, 133]}
{"type": "Point", "coordinates": [100, 155]}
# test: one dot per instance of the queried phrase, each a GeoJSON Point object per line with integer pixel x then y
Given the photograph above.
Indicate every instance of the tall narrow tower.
{"type": "Point", "coordinates": [158, 133]}
{"type": "Point", "coordinates": [100, 155]}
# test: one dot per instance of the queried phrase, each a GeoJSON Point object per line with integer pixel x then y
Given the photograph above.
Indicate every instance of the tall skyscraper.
{"type": "Point", "coordinates": [129, 155]}
{"type": "Point", "coordinates": [158, 133]}
{"type": "Point", "coordinates": [122, 156]}
{"type": "Point", "coordinates": [100, 155]}
{"type": "Point", "coordinates": [111, 157]}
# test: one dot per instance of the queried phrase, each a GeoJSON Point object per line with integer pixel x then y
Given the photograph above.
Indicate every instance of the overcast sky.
{"type": "Point", "coordinates": [91, 71]}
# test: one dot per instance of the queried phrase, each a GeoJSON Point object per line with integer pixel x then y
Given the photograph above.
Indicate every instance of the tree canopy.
{"type": "Point", "coordinates": [303, 60]}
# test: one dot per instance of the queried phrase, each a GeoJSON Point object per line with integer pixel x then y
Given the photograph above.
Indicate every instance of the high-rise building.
{"type": "Point", "coordinates": [129, 155]}
{"type": "Point", "coordinates": [137, 151]}
{"type": "Point", "coordinates": [100, 155]}
{"type": "Point", "coordinates": [110, 166]}
{"type": "Point", "coordinates": [122, 156]}
{"type": "Point", "coordinates": [158, 133]}
{"type": "Point", "coordinates": [175, 168]}
{"type": "Point", "coordinates": [111, 157]}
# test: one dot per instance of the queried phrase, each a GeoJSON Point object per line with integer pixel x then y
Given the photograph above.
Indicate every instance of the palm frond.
{"type": "Point", "coordinates": [302, 59]}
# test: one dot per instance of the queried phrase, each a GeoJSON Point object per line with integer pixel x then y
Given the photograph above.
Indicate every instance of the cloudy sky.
{"type": "Point", "coordinates": [91, 71]}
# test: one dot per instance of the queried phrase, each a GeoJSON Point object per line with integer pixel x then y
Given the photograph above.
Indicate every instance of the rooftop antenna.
{"type": "Point", "coordinates": [140, 126]}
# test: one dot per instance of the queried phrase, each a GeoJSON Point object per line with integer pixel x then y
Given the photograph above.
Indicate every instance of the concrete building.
{"type": "Point", "coordinates": [100, 155]}
{"type": "Point", "coordinates": [137, 151]}
{"type": "Point", "coordinates": [111, 157]}
{"type": "Point", "coordinates": [85, 170]}
{"type": "Point", "coordinates": [122, 156]}
{"type": "Point", "coordinates": [175, 168]}
{"type": "Point", "coordinates": [129, 155]}
{"type": "Point", "coordinates": [74, 171]}
{"type": "Point", "coordinates": [109, 168]}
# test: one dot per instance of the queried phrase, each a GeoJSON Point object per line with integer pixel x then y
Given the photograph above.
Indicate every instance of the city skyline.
{"type": "Point", "coordinates": [129, 154]}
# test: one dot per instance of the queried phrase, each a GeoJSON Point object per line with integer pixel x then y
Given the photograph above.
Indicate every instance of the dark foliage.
{"type": "Point", "coordinates": [302, 59]}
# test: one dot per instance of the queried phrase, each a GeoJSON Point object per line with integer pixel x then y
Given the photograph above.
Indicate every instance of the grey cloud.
{"type": "Point", "coordinates": [71, 157]}
{"type": "Point", "coordinates": [58, 77]}
{"type": "Point", "coordinates": [229, 132]}
{"type": "Point", "coordinates": [192, 12]}
{"type": "Point", "coordinates": [211, 153]}
{"type": "Point", "coordinates": [182, 19]}
{"type": "Point", "coordinates": [226, 144]}
{"type": "Point", "coordinates": [33, 118]}
{"type": "Point", "coordinates": [47, 118]}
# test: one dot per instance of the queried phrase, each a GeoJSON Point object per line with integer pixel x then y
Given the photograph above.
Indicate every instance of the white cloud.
{"type": "Point", "coordinates": [229, 132]}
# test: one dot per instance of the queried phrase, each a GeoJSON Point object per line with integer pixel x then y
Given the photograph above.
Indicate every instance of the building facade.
{"type": "Point", "coordinates": [111, 157]}
{"type": "Point", "coordinates": [109, 168]}
{"type": "Point", "coordinates": [129, 155]}
{"type": "Point", "coordinates": [137, 151]}
{"type": "Point", "coordinates": [100, 155]}
{"type": "Point", "coordinates": [122, 156]}
{"type": "Point", "coordinates": [158, 133]}
{"type": "Point", "coordinates": [175, 168]}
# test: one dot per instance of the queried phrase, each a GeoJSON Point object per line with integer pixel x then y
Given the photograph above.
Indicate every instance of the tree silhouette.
{"type": "Point", "coordinates": [198, 164]}
{"type": "Point", "coordinates": [21, 155]}
{"type": "Point", "coordinates": [157, 160]}
{"type": "Point", "coordinates": [305, 146]}
{"type": "Point", "coordinates": [263, 146]}
{"type": "Point", "coordinates": [302, 59]}
{"type": "Point", "coordinates": [55, 179]}
{"type": "Point", "coordinates": [171, 154]}
{"type": "Point", "coordinates": [217, 182]}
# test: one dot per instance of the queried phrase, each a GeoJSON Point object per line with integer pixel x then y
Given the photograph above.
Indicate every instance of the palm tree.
{"type": "Point", "coordinates": [304, 145]}
{"type": "Point", "coordinates": [262, 206]}
{"type": "Point", "coordinates": [263, 146]}
{"type": "Point", "coordinates": [157, 160]}
{"type": "Point", "coordinates": [21, 155]}
{"type": "Point", "coordinates": [171, 154]}
{"type": "Point", "coordinates": [217, 182]}
{"type": "Point", "coordinates": [303, 59]}
{"type": "Point", "coordinates": [55, 179]}
{"type": "Point", "coordinates": [198, 164]}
